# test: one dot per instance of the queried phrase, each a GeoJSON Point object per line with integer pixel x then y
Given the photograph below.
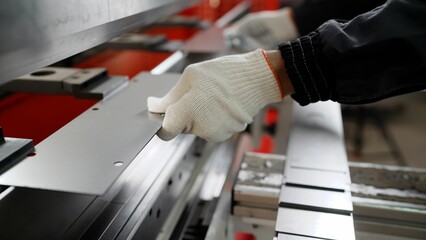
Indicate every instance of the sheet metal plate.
{"type": "Point", "coordinates": [315, 224]}
{"type": "Point", "coordinates": [80, 156]}
{"type": "Point", "coordinates": [321, 199]}
{"type": "Point", "coordinates": [293, 237]}
{"type": "Point", "coordinates": [316, 139]}
{"type": "Point", "coordinates": [316, 178]}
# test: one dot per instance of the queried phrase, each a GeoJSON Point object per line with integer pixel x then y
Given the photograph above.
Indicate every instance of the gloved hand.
{"type": "Point", "coordinates": [264, 29]}
{"type": "Point", "coordinates": [216, 98]}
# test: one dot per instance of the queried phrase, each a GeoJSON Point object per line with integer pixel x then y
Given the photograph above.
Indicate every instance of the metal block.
{"type": "Point", "coordinates": [321, 200]}
{"type": "Point", "coordinates": [13, 150]}
{"type": "Point", "coordinates": [320, 179]}
{"type": "Point", "coordinates": [44, 80]}
{"type": "Point", "coordinates": [91, 83]}
{"type": "Point", "coordinates": [315, 224]}
{"type": "Point", "coordinates": [90, 152]}
{"type": "Point", "coordinates": [83, 78]}
{"type": "Point", "coordinates": [104, 88]}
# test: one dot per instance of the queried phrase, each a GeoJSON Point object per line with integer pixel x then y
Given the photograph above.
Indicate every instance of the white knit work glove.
{"type": "Point", "coordinates": [264, 29]}
{"type": "Point", "coordinates": [216, 98]}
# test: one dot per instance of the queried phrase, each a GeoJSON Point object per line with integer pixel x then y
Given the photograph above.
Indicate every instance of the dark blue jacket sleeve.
{"type": "Point", "coordinates": [310, 14]}
{"type": "Point", "coordinates": [376, 55]}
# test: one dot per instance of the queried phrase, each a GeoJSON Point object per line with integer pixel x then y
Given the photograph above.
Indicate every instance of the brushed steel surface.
{"type": "Point", "coordinates": [321, 199]}
{"type": "Point", "coordinates": [316, 139]}
{"type": "Point", "coordinates": [90, 152]}
{"type": "Point", "coordinates": [317, 178]}
{"type": "Point", "coordinates": [38, 33]}
{"type": "Point", "coordinates": [315, 224]}
{"type": "Point", "coordinates": [293, 237]}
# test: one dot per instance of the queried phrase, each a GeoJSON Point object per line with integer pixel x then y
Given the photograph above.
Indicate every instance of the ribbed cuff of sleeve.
{"type": "Point", "coordinates": [307, 69]}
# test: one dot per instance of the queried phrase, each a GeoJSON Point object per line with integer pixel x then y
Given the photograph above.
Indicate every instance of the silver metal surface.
{"type": "Point", "coordinates": [38, 33]}
{"type": "Point", "coordinates": [315, 199]}
{"type": "Point", "coordinates": [319, 199]}
{"type": "Point", "coordinates": [293, 237]}
{"type": "Point", "coordinates": [316, 139]}
{"type": "Point", "coordinates": [80, 157]}
{"type": "Point", "coordinates": [315, 224]}
{"type": "Point", "coordinates": [317, 178]}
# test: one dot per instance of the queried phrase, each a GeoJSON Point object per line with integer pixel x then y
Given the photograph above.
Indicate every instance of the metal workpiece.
{"type": "Point", "coordinates": [339, 181]}
{"type": "Point", "coordinates": [292, 237]}
{"type": "Point", "coordinates": [316, 139]}
{"type": "Point", "coordinates": [13, 150]}
{"type": "Point", "coordinates": [316, 199]}
{"type": "Point", "coordinates": [91, 83]}
{"type": "Point", "coordinates": [315, 224]}
{"type": "Point", "coordinates": [316, 152]}
{"type": "Point", "coordinates": [121, 126]}
{"type": "Point", "coordinates": [36, 34]}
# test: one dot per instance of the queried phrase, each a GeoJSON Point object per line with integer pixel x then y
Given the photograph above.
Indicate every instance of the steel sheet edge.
{"type": "Point", "coordinates": [35, 34]}
{"type": "Point", "coordinates": [80, 156]}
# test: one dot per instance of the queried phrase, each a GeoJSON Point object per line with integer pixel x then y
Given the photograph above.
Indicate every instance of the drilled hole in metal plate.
{"type": "Point", "coordinates": [31, 154]}
{"type": "Point", "coordinates": [170, 182]}
{"type": "Point", "coordinates": [180, 175]}
{"type": "Point", "coordinates": [158, 213]}
{"type": "Point", "coordinates": [150, 212]}
{"type": "Point", "coordinates": [85, 71]}
{"type": "Point", "coordinates": [43, 73]}
{"type": "Point", "coordinates": [95, 109]}
{"type": "Point", "coordinates": [75, 77]}
{"type": "Point", "coordinates": [118, 164]}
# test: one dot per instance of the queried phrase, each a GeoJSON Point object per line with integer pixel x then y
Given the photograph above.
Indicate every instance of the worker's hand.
{"type": "Point", "coordinates": [216, 98]}
{"type": "Point", "coordinates": [264, 29]}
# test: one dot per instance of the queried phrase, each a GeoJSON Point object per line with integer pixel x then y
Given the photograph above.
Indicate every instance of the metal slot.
{"type": "Point", "coordinates": [320, 200]}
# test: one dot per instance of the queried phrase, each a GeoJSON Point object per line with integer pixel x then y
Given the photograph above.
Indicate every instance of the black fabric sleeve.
{"type": "Point", "coordinates": [310, 14]}
{"type": "Point", "coordinates": [376, 55]}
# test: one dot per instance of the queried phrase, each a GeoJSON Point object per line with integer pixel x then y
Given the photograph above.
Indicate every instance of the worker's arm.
{"type": "Point", "coordinates": [376, 55]}
{"type": "Point", "coordinates": [310, 14]}
{"type": "Point", "coordinates": [266, 29]}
